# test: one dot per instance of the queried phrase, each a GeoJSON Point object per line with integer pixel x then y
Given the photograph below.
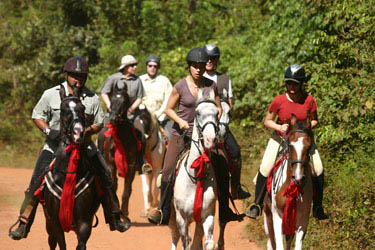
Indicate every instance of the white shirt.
{"type": "Point", "coordinates": [157, 92]}
{"type": "Point", "coordinates": [214, 78]}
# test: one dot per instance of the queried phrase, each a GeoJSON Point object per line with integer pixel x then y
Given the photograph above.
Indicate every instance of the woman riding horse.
{"type": "Point", "coordinates": [294, 101]}
{"type": "Point", "coordinates": [46, 116]}
{"type": "Point", "coordinates": [184, 94]}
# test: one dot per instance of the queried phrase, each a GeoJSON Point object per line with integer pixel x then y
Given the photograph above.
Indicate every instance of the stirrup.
{"type": "Point", "coordinates": [146, 169]}
{"type": "Point", "coordinates": [18, 221]}
{"type": "Point", "coordinates": [252, 216]}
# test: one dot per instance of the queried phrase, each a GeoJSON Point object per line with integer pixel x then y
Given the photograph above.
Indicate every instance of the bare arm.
{"type": "Point", "coordinates": [218, 103]}
{"type": "Point", "coordinates": [270, 123]}
{"type": "Point", "coordinates": [314, 119]}
{"type": "Point", "coordinates": [230, 100]}
{"type": "Point", "coordinates": [135, 105]}
{"type": "Point", "coordinates": [106, 100]}
{"type": "Point", "coordinates": [41, 124]}
{"type": "Point", "coordinates": [169, 110]}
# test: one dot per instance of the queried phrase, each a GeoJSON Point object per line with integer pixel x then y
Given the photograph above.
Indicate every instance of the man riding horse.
{"type": "Point", "coordinates": [126, 77]}
{"type": "Point", "coordinates": [46, 116]}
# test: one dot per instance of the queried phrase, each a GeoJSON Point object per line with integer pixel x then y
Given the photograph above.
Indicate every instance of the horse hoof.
{"type": "Point", "coordinates": [218, 247]}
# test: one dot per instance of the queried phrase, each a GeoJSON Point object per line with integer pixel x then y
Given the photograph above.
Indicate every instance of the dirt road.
{"type": "Point", "coordinates": [142, 235]}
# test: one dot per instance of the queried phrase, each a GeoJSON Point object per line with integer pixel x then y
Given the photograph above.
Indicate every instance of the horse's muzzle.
{"type": "Point", "coordinates": [78, 132]}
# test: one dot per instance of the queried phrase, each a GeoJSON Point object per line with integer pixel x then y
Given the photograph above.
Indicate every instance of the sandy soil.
{"type": "Point", "coordinates": [142, 235]}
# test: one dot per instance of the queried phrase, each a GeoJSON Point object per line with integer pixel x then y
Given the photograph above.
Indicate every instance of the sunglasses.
{"type": "Point", "coordinates": [152, 66]}
{"type": "Point", "coordinates": [212, 58]}
{"type": "Point", "coordinates": [291, 83]}
{"type": "Point", "coordinates": [133, 65]}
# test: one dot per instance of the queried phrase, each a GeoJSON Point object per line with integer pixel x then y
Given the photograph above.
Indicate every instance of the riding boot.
{"type": "Point", "coordinates": [26, 218]}
{"type": "Point", "coordinates": [222, 173]}
{"type": "Point", "coordinates": [236, 187]}
{"type": "Point", "coordinates": [318, 211]}
{"type": "Point", "coordinates": [110, 203]}
{"type": "Point", "coordinates": [255, 209]}
{"type": "Point", "coordinates": [162, 214]}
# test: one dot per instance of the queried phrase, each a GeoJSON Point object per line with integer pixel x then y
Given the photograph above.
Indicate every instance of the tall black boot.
{"type": "Point", "coordinates": [255, 209]}
{"type": "Point", "coordinates": [110, 202]}
{"type": "Point", "coordinates": [26, 218]}
{"type": "Point", "coordinates": [222, 172]}
{"type": "Point", "coordinates": [163, 213]}
{"type": "Point", "coordinates": [318, 211]}
{"type": "Point", "coordinates": [236, 187]}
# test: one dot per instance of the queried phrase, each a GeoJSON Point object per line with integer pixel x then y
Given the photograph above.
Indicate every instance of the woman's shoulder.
{"type": "Point", "coordinates": [280, 98]}
{"type": "Point", "coordinates": [180, 83]}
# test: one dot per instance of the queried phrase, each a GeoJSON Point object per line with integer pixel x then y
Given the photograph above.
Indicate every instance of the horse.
{"type": "Point", "coordinates": [199, 182]}
{"type": "Point", "coordinates": [287, 206]}
{"type": "Point", "coordinates": [74, 210]}
{"type": "Point", "coordinates": [155, 149]}
{"type": "Point", "coordinates": [119, 145]}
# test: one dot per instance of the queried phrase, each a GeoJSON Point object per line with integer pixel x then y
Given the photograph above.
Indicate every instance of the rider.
{"type": "Point", "coordinates": [46, 116]}
{"type": "Point", "coordinates": [158, 88]}
{"type": "Point", "coordinates": [184, 94]}
{"type": "Point", "coordinates": [294, 101]}
{"type": "Point", "coordinates": [126, 77]}
{"type": "Point", "coordinates": [224, 83]}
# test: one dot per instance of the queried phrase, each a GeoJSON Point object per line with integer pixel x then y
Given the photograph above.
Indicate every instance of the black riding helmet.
{"type": "Point", "coordinates": [295, 73]}
{"type": "Point", "coordinates": [76, 64]}
{"type": "Point", "coordinates": [197, 55]}
{"type": "Point", "coordinates": [153, 59]}
{"type": "Point", "coordinates": [212, 50]}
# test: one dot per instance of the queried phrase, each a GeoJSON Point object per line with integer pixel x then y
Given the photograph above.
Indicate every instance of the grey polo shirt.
{"type": "Point", "coordinates": [48, 109]}
{"type": "Point", "coordinates": [134, 84]}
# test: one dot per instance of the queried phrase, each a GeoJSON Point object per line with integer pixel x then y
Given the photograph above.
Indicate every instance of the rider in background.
{"type": "Point", "coordinates": [224, 83]}
{"type": "Point", "coordinates": [158, 88]}
{"type": "Point", "coordinates": [126, 77]}
{"type": "Point", "coordinates": [46, 116]}
{"type": "Point", "coordinates": [295, 101]}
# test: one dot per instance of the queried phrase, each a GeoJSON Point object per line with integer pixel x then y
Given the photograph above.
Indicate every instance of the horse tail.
{"type": "Point", "coordinates": [96, 221]}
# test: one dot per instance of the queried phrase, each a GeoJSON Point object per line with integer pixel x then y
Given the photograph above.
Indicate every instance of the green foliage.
{"type": "Point", "coordinates": [333, 39]}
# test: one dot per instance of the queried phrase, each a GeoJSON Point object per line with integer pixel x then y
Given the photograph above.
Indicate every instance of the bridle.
{"type": "Point", "coordinates": [76, 118]}
{"type": "Point", "coordinates": [201, 128]}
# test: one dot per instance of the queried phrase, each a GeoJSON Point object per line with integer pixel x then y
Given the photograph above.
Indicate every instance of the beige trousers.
{"type": "Point", "coordinates": [270, 155]}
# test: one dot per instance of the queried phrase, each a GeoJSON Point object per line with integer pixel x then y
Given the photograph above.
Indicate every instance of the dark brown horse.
{"type": "Point", "coordinates": [116, 140]}
{"type": "Point", "coordinates": [86, 202]}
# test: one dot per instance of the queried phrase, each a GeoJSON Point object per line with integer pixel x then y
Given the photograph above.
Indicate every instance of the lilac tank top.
{"type": "Point", "coordinates": [187, 103]}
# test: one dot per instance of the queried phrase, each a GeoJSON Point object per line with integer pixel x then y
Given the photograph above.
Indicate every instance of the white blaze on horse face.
{"type": "Point", "coordinates": [208, 115]}
{"type": "Point", "coordinates": [298, 147]}
{"type": "Point", "coordinates": [72, 106]}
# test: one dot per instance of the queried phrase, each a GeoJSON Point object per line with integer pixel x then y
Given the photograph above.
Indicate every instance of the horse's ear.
{"type": "Point", "coordinates": [212, 94]}
{"type": "Point", "coordinates": [294, 120]}
{"type": "Point", "coordinates": [308, 122]}
{"type": "Point", "coordinates": [200, 95]}
{"type": "Point", "coordinates": [225, 93]}
{"type": "Point", "coordinates": [62, 92]}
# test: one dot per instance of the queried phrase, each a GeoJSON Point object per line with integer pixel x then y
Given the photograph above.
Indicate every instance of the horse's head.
{"type": "Point", "coordinates": [72, 118]}
{"type": "Point", "coordinates": [120, 102]}
{"type": "Point", "coordinates": [206, 120]}
{"type": "Point", "coordinates": [299, 141]}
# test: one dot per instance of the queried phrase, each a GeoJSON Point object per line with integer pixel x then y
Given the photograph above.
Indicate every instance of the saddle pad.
{"type": "Point", "coordinates": [56, 190]}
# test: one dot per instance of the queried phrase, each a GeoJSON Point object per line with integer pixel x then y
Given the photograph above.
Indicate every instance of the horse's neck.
{"type": "Point", "coordinates": [196, 148]}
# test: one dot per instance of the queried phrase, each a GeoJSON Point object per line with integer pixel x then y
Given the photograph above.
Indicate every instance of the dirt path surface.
{"type": "Point", "coordinates": [142, 235]}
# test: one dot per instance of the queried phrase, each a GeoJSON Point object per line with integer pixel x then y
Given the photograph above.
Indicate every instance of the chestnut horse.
{"type": "Point", "coordinates": [119, 146]}
{"type": "Point", "coordinates": [288, 203]}
{"type": "Point", "coordinates": [86, 202]}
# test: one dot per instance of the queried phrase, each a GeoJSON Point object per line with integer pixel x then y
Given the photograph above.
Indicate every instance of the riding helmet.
{"type": "Point", "coordinates": [76, 64]}
{"type": "Point", "coordinates": [197, 55]}
{"type": "Point", "coordinates": [212, 50]}
{"type": "Point", "coordinates": [153, 59]}
{"type": "Point", "coordinates": [295, 73]}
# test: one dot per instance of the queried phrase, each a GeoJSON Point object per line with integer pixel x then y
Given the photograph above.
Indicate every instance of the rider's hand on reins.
{"type": "Point", "coordinates": [184, 125]}
{"type": "Point", "coordinates": [284, 128]}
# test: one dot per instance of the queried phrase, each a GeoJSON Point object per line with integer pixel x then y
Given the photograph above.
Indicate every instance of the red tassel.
{"type": "Point", "coordinates": [120, 153]}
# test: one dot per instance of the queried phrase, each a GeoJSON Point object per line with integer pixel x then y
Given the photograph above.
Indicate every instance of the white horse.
{"type": "Point", "coordinates": [154, 151]}
{"type": "Point", "coordinates": [203, 140]}
{"type": "Point", "coordinates": [294, 175]}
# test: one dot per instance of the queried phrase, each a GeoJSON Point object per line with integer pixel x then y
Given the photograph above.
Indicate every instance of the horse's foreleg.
{"type": "Point", "coordinates": [288, 240]}
{"type": "Point", "coordinates": [208, 227]}
{"type": "Point", "coordinates": [278, 230]}
{"type": "Point", "coordinates": [83, 231]}
{"type": "Point", "coordinates": [183, 228]}
{"type": "Point", "coordinates": [146, 189]}
{"type": "Point", "coordinates": [220, 241]}
{"type": "Point", "coordinates": [126, 194]}
{"type": "Point", "coordinates": [52, 242]}
{"type": "Point", "coordinates": [198, 236]}
{"type": "Point", "coordinates": [55, 235]}
{"type": "Point", "coordinates": [174, 230]}
{"type": "Point", "coordinates": [268, 225]}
